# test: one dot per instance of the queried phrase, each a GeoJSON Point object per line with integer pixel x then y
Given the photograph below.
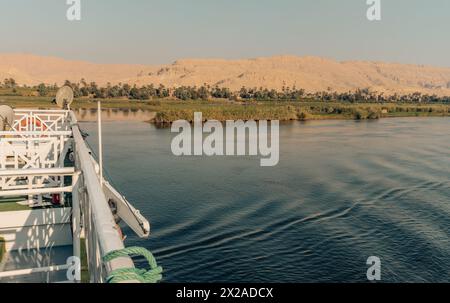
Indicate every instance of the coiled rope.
{"type": "Point", "coordinates": [152, 275]}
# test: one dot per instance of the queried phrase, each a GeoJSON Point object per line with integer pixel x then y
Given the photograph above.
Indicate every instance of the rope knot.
{"type": "Point", "coordinates": [152, 275]}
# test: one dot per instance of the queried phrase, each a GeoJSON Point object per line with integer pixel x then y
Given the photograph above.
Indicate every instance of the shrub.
{"type": "Point", "coordinates": [303, 115]}
{"type": "Point", "coordinates": [359, 114]}
{"type": "Point", "coordinates": [373, 114]}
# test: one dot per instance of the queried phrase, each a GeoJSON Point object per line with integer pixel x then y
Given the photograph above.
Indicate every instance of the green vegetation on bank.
{"type": "Point", "coordinates": [172, 110]}
{"type": "Point", "coordinates": [82, 89]}
{"type": "Point", "coordinates": [300, 111]}
{"type": "Point", "coordinates": [223, 104]}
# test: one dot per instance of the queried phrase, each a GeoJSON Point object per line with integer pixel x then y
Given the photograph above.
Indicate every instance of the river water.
{"type": "Point", "coordinates": [343, 191]}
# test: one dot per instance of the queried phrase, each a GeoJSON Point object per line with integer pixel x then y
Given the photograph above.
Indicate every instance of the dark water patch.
{"type": "Point", "coordinates": [343, 191]}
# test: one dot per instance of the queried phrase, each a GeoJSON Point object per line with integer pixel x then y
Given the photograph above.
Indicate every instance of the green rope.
{"type": "Point", "coordinates": [153, 275]}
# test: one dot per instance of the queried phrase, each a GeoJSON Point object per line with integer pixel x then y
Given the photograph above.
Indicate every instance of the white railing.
{"type": "Point", "coordinates": [21, 151]}
{"type": "Point", "coordinates": [32, 163]}
{"type": "Point", "coordinates": [34, 181]}
{"type": "Point", "coordinates": [101, 231]}
{"type": "Point", "coordinates": [41, 120]}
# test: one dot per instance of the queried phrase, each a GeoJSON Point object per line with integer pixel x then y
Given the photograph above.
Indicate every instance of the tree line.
{"type": "Point", "coordinates": [207, 92]}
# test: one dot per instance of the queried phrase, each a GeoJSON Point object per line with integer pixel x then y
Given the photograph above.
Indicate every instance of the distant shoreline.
{"type": "Point", "coordinates": [167, 111]}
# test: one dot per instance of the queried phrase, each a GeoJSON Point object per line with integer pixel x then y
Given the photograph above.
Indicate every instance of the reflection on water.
{"type": "Point", "coordinates": [113, 114]}
{"type": "Point", "coordinates": [343, 191]}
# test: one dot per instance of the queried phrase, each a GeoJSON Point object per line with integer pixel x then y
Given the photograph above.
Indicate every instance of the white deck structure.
{"type": "Point", "coordinates": [68, 203]}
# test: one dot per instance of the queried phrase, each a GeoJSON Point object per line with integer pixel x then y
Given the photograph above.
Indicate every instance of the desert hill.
{"type": "Point", "coordinates": [311, 73]}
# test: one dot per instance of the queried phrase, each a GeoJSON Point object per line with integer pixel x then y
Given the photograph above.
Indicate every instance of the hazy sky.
{"type": "Point", "coordinates": [161, 31]}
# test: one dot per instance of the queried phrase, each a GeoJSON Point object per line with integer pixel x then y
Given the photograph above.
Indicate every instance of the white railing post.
{"type": "Point", "coordinates": [100, 143]}
{"type": "Point", "coordinates": [76, 218]}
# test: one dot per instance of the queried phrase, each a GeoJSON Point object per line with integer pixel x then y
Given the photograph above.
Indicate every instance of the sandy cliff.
{"type": "Point", "coordinates": [310, 73]}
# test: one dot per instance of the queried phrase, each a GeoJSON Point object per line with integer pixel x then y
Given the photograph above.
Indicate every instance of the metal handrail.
{"type": "Point", "coordinates": [97, 213]}
{"type": "Point", "coordinates": [52, 111]}
{"type": "Point", "coordinates": [64, 171]}
{"type": "Point", "coordinates": [35, 133]}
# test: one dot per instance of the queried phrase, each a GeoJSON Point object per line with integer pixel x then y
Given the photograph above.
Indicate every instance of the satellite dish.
{"type": "Point", "coordinates": [64, 97]}
{"type": "Point", "coordinates": [6, 117]}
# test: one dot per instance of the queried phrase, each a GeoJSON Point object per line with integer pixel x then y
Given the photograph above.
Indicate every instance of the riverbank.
{"type": "Point", "coordinates": [166, 111]}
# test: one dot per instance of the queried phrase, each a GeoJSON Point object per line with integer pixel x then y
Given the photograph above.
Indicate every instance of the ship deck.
{"type": "Point", "coordinates": [53, 256]}
{"type": "Point", "coordinates": [55, 204]}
